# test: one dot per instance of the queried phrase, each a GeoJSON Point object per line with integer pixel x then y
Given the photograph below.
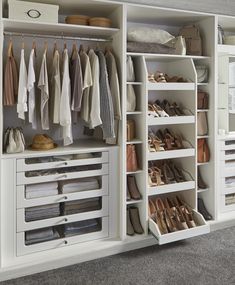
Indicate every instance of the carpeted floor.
{"type": "Point", "coordinates": [205, 260]}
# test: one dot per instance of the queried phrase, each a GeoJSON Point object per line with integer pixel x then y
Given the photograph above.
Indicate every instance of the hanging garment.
{"type": "Point", "coordinates": [22, 89]}
{"type": "Point", "coordinates": [87, 83]}
{"type": "Point", "coordinates": [43, 86]}
{"type": "Point", "coordinates": [10, 79]}
{"type": "Point", "coordinates": [65, 108]}
{"type": "Point", "coordinates": [55, 88]}
{"type": "Point", "coordinates": [106, 104]}
{"type": "Point", "coordinates": [31, 90]}
{"type": "Point", "coordinates": [113, 83]}
{"type": "Point", "coordinates": [94, 119]}
{"type": "Point", "coordinates": [76, 81]}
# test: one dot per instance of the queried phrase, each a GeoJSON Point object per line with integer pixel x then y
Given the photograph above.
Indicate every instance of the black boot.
{"type": "Point", "coordinates": [202, 209]}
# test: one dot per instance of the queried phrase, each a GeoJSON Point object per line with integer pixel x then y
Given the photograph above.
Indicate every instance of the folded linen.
{"type": "Point", "coordinates": [41, 193]}
{"type": "Point", "coordinates": [41, 235]}
{"type": "Point", "coordinates": [42, 212]}
{"type": "Point", "coordinates": [41, 186]}
{"type": "Point", "coordinates": [76, 185]}
{"type": "Point", "coordinates": [77, 211]}
{"type": "Point", "coordinates": [82, 227]}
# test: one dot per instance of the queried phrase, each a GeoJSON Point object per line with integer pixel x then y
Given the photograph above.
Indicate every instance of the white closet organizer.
{"type": "Point", "coordinates": [108, 163]}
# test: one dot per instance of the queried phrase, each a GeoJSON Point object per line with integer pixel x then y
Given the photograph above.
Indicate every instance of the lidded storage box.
{"type": "Point", "coordinates": [35, 12]}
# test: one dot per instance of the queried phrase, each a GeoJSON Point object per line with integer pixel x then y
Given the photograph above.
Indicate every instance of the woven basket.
{"type": "Point", "coordinates": [77, 20]}
{"type": "Point", "coordinates": [100, 22]}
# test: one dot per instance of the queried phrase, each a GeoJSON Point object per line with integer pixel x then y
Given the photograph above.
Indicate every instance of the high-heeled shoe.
{"type": "Point", "coordinates": [151, 78]}
{"type": "Point", "coordinates": [178, 110]}
{"type": "Point", "coordinates": [150, 144]}
{"type": "Point", "coordinates": [133, 189]}
{"type": "Point", "coordinates": [179, 176]}
{"type": "Point", "coordinates": [152, 112]}
{"type": "Point", "coordinates": [160, 111]}
{"type": "Point", "coordinates": [202, 209]}
{"type": "Point", "coordinates": [135, 220]}
{"type": "Point", "coordinates": [157, 142]}
{"type": "Point", "coordinates": [151, 209]}
{"type": "Point", "coordinates": [168, 108]}
{"type": "Point", "coordinates": [188, 216]}
{"type": "Point", "coordinates": [151, 178]}
{"type": "Point", "coordinates": [168, 175]}
{"type": "Point", "coordinates": [128, 195]}
{"type": "Point", "coordinates": [169, 205]}
{"type": "Point", "coordinates": [157, 173]}
{"type": "Point", "coordinates": [160, 77]}
{"type": "Point", "coordinates": [170, 223]}
{"type": "Point", "coordinates": [159, 217]}
{"type": "Point", "coordinates": [179, 219]}
{"type": "Point", "coordinates": [159, 205]}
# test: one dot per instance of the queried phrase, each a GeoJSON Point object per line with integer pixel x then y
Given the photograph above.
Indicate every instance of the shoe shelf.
{"type": "Point", "coordinates": [202, 110]}
{"type": "Point", "coordinates": [134, 83]}
{"type": "Point", "coordinates": [134, 172]}
{"type": "Point", "coordinates": [203, 163]}
{"type": "Point", "coordinates": [202, 228]}
{"type": "Point", "coordinates": [168, 154]}
{"type": "Point", "coordinates": [170, 188]}
{"type": "Point", "coordinates": [170, 86]}
{"type": "Point", "coordinates": [202, 84]}
{"type": "Point", "coordinates": [203, 137]}
{"type": "Point", "coordinates": [202, 190]}
{"type": "Point", "coordinates": [131, 202]}
{"type": "Point", "coordinates": [171, 120]}
{"type": "Point", "coordinates": [134, 113]}
{"type": "Point", "coordinates": [134, 141]}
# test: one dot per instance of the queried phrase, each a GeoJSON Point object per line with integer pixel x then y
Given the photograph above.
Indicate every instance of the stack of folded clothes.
{"type": "Point", "coordinates": [42, 212]}
{"type": "Point", "coordinates": [230, 199]}
{"type": "Point", "coordinates": [41, 190]}
{"type": "Point", "coordinates": [75, 185]}
{"type": "Point", "coordinates": [41, 235]}
{"type": "Point", "coordinates": [82, 227]}
{"type": "Point", "coordinates": [80, 206]}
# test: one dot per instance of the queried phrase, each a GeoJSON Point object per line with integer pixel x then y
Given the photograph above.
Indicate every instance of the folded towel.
{"type": "Point", "coordinates": [41, 187]}
{"type": "Point", "coordinates": [81, 224]}
{"type": "Point", "coordinates": [41, 235]}
{"type": "Point", "coordinates": [41, 193]}
{"type": "Point", "coordinates": [75, 185]}
{"type": "Point", "coordinates": [77, 211]}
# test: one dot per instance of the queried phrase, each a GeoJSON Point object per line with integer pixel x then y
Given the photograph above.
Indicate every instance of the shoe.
{"type": "Point", "coordinates": [188, 216]}
{"type": "Point", "coordinates": [152, 112]}
{"type": "Point", "coordinates": [178, 110]}
{"type": "Point", "coordinates": [157, 174]}
{"type": "Point", "coordinates": [179, 176]}
{"type": "Point", "coordinates": [170, 223]}
{"type": "Point", "coordinates": [200, 182]}
{"type": "Point", "coordinates": [135, 220]}
{"type": "Point", "coordinates": [151, 78]}
{"type": "Point", "coordinates": [159, 217]}
{"type": "Point", "coordinates": [128, 195]}
{"type": "Point", "coordinates": [168, 108]}
{"type": "Point", "coordinates": [169, 205]}
{"type": "Point", "coordinates": [159, 205]}
{"type": "Point", "coordinates": [133, 189]}
{"type": "Point", "coordinates": [129, 227]}
{"type": "Point", "coordinates": [150, 144]}
{"type": "Point", "coordinates": [151, 209]}
{"type": "Point", "coordinates": [168, 175]}
{"type": "Point", "coordinates": [159, 77]}
{"type": "Point", "coordinates": [179, 219]}
{"type": "Point", "coordinates": [202, 209]}
{"type": "Point", "coordinates": [160, 111]}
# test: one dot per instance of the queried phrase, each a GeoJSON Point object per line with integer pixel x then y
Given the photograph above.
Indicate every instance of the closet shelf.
{"type": "Point", "coordinates": [165, 57]}
{"type": "Point", "coordinates": [134, 113]}
{"type": "Point", "coordinates": [170, 188]}
{"type": "Point", "coordinates": [203, 137]}
{"type": "Point", "coordinates": [202, 110]}
{"type": "Point", "coordinates": [55, 29]}
{"type": "Point", "coordinates": [80, 146]}
{"type": "Point", "coordinates": [202, 163]}
{"type": "Point", "coordinates": [202, 190]}
{"type": "Point", "coordinates": [134, 172]}
{"type": "Point", "coordinates": [134, 83]}
{"type": "Point", "coordinates": [134, 141]}
{"type": "Point", "coordinates": [202, 84]}
{"type": "Point", "coordinates": [187, 152]}
{"type": "Point", "coordinates": [230, 49]}
{"type": "Point", "coordinates": [171, 120]}
{"type": "Point", "coordinates": [171, 86]}
{"type": "Point", "coordinates": [131, 202]}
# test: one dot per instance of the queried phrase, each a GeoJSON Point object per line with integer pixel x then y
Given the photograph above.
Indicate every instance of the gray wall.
{"type": "Point", "coordinates": [226, 7]}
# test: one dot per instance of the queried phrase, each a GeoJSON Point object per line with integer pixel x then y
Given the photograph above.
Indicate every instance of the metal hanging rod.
{"type": "Point", "coordinates": [55, 37]}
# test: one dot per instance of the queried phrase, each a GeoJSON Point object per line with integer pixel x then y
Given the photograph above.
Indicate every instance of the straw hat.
{"type": "Point", "coordinates": [42, 142]}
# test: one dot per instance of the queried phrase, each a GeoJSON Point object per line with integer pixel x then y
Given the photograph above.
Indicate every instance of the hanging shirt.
{"type": "Point", "coordinates": [22, 89]}
{"type": "Point", "coordinates": [65, 108]}
{"type": "Point", "coordinates": [31, 90]}
{"type": "Point", "coordinates": [55, 88]}
{"type": "Point", "coordinates": [76, 81]}
{"type": "Point", "coordinates": [87, 83]}
{"type": "Point", "coordinates": [43, 86]}
{"type": "Point", "coordinates": [94, 119]}
{"type": "Point", "coordinates": [113, 83]}
{"type": "Point", "coordinates": [106, 104]}
{"type": "Point", "coordinates": [10, 82]}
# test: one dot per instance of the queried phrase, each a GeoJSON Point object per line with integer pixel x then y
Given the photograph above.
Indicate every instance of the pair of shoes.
{"type": "Point", "coordinates": [175, 78]}
{"type": "Point", "coordinates": [133, 221]}
{"type": "Point", "coordinates": [132, 188]}
{"type": "Point", "coordinates": [155, 177]}
{"type": "Point", "coordinates": [156, 111]}
{"type": "Point", "coordinates": [154, 142]}
{"type": "Point", "coordinates": [202, 209]}
{"type": "Point", "coordinates": [173, 109]}
{"type": "Point", "coordinates": [171, 215]}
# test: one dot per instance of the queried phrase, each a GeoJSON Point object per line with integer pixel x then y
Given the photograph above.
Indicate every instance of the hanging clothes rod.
{"type": "Point", "coordinates": [62, 37]}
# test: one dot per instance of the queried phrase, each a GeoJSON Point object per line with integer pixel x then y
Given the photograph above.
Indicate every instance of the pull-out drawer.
{"type": "Point", "coordinates": [22, 225]}
{"type": "Point", "coordinates": [227, 145]}
{"type": "Point", "coordinates": [202, 228]}
{"type": "Point", "coordinates": [227, 201]}
{"type": "Point", "coordinates": [227, 155]}
{"type": "Point", "coordinates": [22, 202]}
{"type": "Point", "coordinates": [27, 177]}
{"type": "Point", "coordinates": [61, 161]}
{"type": "Point", "coordinates": [62, 240]}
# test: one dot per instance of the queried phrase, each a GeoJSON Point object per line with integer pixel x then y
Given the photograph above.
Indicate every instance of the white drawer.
{"type": "Point", "coordinates": [21, 178]}
{"type": "Point", "coordinates": [22, 202]}
{"type": "Point", "coordinates": [202, 228]}
{"type": "Point", "coordinates": [227, 145]}
{"type": "Point", "coordinates": [23, 249]}
{"type": "Point", "coordinates": [225, 155]}
{"type": "Point", "coordinates": [102, 157]}
{"type": "Point", "coordinates": [226, 208]}
{"type": "Point", "coordinates": [22, 225]}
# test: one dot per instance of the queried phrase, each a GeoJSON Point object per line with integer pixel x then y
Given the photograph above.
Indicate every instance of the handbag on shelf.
{"type": "Point", "coordinates": [131, 158]}
{"type": "Point", "coordinates": [203, 151]}
{"type": "Point", "coordinates": [130, 73]}
{"type": "Point", "coordinates": [193, 39]}
{"type": "Point", "coordinates": [202, 125]}
{"type": "Point", "coordinates": [131, 99]}
{"type": "Point", "coordinates": [202, 100]}
{"type": "Point", "coordinates": [14, 141]}
{"type": "Point", "coordinates": [202, 73]}
{"type": "Point", "coordinates": [130, 130]}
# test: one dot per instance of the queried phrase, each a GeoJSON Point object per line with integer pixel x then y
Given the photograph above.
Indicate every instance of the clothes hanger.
{"type": "Point", "coordinates": [22, 44]}
{"type": "Point", "coordinates": [74, 50]}
{"type": "Point", "coordinates": [55, 47]}
{"type": "Point", "coordinates": [34, 47]}
{"type": "Point", "coordinates": [45, 46]}
{"type": "Point", "coordinates": [10, 48]}
{"type": "Point", "coordinates": [81, 48]}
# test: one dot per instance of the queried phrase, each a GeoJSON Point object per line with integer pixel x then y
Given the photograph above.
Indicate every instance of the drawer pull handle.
{"type": "Point", "coordinates": [65, 197]}
{"type": "Point", "coordinates": [65, 242]}
{"type": "Point", "coordinates": [66, 163]}
{"type": "Point", "coordinates": [62, 176]}
{"type": "Point", "coordinates": [66, 220]}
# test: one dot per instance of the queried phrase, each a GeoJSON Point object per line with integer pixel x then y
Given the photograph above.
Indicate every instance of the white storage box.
{"type": "Point", "coordinates": [35, 12]}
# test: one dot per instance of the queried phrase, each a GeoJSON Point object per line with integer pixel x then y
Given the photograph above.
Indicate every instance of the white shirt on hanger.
{"type": "Point", "coordinates": [31, 90]}
{"type": "Point", "coordinates": [95, 119]}
{"type": "Point", "coordinates": [22, 89]}
{"type": "Point", "coordinates": [43, 86]}
{"type": "Point", "coordinates": [56, 87]}
{"type": "Point", "coordinates": [65, 108]}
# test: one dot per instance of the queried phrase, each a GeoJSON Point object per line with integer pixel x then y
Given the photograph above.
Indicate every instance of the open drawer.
{"type": "Point", "coordinates": [202, 228]}
{"type": "Point", "coordinates": [62, 240]}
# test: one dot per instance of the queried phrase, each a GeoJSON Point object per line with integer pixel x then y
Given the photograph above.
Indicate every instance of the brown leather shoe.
{"type": "Point", "coordinates": [135, 220]}
{"type": "Point", "coordinates": [129, 227]}
{"type": "Point", "coordinates": [132, 164]}
{"type": "Point", "coordinates": [133, 189]}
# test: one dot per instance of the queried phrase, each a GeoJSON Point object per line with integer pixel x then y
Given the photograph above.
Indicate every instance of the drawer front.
{"type": "Point", "coordinates": [23, 249]}
{"type": "Point", "coordinates": [23, 166]}
{"type": "Point", "coordinates": [22, 225]}
{"type": "Point", "coordinates": [227, 145]}
{"type": "Point", "coordinates": [22, 202]}
{"type": "Point", "coordinates": [226, 208]}
{"type": "Point", "coordinates": [22, 179]}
